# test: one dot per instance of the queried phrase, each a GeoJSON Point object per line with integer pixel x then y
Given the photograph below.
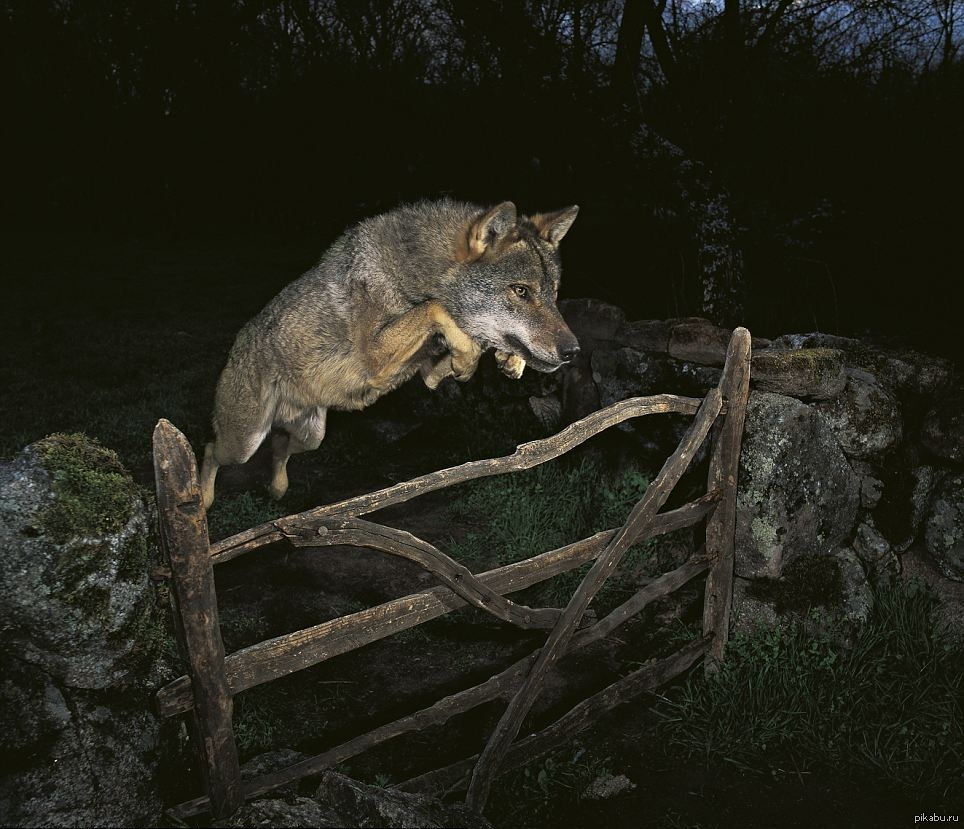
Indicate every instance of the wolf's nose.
{"type": "Point", "coordinates": [569, 354]}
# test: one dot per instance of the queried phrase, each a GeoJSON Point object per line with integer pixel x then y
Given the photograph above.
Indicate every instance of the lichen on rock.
{"type": "Point", "coordinates": [797, 494]}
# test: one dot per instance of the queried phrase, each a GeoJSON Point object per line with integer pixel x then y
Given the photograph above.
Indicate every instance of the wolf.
{"type": "Point", "coordinates": [425, 288]}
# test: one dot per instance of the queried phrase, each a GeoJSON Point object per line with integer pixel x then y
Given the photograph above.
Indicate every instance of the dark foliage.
{"type": "Point", "coordinates": [835, 129]}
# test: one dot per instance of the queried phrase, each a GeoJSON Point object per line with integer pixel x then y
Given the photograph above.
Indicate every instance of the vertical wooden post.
{"type": "Point", "coordinates": [184, 537]}
{"type": "Point", "coordinates": [724, 472]}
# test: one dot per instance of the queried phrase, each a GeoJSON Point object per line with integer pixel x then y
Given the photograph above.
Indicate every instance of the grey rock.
{"type": "Point", "coordinates": [904, 503]}
{"type": "Point", "coordinates": [699, 341]}
{"type": "Point", "coordinates": [593, 321]}
{"type": "Point", "coordinates": [749, 612]}
{"type": "Point", "coordinates": [874, 550]}
{"type": "Point", "coordinates": [904, 370]}
{"type": "Point", "coordinates": [362, 805]}
{"type": "Point", "coordinates": [645, 335]}
{"type": "Point", "coordinates": [871, 486]}
{"type": "Point", "coordinates": [690, 379]}
{"type": "Point", "coordinates": [942, 432]}
{"type": "Point", "coordinates": [814, 340]}
{"type": "Point", "coordinates": [866, 418]}
{"type": "Point", "coordinates": [797, 494]}
{"type": "Point", "coordinates": [857, 597]}
{"type": "Point", "coordinates": [548, 411]}
{"type": "Point", "coordinates": [608, 785]}
{"type": "Point", "coordinates": [98, 770]}
{"type": "Point", "coordinates": [944, 527]}
{"type": "Point", "coordinates": [816, 373]}
{"type": "Point", "coordinates": [579, 395]}
{"type": "Point", "coordinates": [757, 605]}
{"type": "Point", "coordinates": [626, 372]}
{"type": "Point", "coordinates": [919, 566]}
{"type": "Point", "coordinates": [291, 812]}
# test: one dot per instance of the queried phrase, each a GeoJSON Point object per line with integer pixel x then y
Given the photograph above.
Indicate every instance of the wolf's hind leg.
{"type": "Point", "coordinates": [209, 471]}
{"type": "Point", "coordinates": [304, 435]}
{"type": "Point", "coordinates": [227, 449]}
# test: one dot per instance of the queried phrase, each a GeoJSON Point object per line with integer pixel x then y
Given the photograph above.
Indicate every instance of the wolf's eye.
{"type": "Point", "coordinates": [521, 291]}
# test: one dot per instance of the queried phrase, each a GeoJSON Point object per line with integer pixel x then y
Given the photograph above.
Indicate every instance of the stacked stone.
{"type": "Point", "coordinates": [851, 451]}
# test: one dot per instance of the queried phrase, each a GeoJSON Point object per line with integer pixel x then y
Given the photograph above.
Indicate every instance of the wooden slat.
{"type": "Point", "coordinates": [285, 654]}
{"type": "Point", "coordinates": [641, 517]}
{"type": "Point", "coordinates": [454, 778]}
{"type": "Point", "coordinates": [723, 476]}
{"type": "Point", "coordinates": [184, 536]}
{"type": "Point", "coordinates": [457, 577]}
{"type": "Point", "coordinates": [500, 685]}
{"type": "Point", "coordinates": [525, 456]}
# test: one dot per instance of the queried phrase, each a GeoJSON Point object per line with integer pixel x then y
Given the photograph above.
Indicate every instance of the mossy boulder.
{"type": "Point", "coordinates": [797, 494]}
{"type": "Point", "coordinates": [84, 640]}
{"type": "Point", "coordinates": [901, 370]}
{"type": "Point", "coordinates": [76, 533]}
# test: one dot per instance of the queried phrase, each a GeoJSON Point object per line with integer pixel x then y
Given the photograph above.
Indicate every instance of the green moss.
{"type": "Point", "coordinates": [94, 493]}
{"type": "Point", "coordinates": [135, 558]}
{"type": "Point", "coordinates": [93, 601]}
{"type": "Point", "coordinates": [815, 361]}
{"type": "Point", "coordinates": [808, 581]}
{"type": "Point", "coordinates": [151, 631]}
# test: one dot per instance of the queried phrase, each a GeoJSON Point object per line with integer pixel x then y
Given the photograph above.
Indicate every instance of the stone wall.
{"type": "Point", "coordinates": [853, 453]}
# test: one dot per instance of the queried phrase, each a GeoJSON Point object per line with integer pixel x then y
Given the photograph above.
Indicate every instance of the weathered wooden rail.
{"type": "Point", "coordinates": [207, 691]}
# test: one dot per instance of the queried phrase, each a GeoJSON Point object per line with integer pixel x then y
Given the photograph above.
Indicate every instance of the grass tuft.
{"type": "Point", "coordinates": [889, 709]}
{"type": "Point", "coordinates": [527, 513]}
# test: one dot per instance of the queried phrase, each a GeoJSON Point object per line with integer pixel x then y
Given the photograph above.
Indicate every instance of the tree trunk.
{"type": "Point", "coordinates": [629, 43]}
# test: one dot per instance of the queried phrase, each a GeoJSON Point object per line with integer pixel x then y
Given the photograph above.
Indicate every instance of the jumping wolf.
{"type": "Point", "coordinates": [423, 288]}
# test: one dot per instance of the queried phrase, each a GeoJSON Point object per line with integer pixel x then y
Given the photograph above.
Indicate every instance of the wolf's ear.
{"type": "Point", "coordinates": [553, 226]}
{"type": "Point", "coordinates": [490, 228]}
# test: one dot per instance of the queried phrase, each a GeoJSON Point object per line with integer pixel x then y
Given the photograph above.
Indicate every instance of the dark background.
{"type": "Point", "coordinates": [832, 133]}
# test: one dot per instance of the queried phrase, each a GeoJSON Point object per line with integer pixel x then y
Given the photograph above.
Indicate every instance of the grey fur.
{"type": "Point", "coordinates": [425, 287]}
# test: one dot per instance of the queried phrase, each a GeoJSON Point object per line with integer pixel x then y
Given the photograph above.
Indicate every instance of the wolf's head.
{"type": "Point", "coordinates": [506, 283]}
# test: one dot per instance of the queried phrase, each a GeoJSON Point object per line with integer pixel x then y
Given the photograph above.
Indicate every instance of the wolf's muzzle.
{"type": "Point", "coordinates": [568, 353]}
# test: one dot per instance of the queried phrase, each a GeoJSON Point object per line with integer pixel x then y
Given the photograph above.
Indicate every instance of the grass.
{"type": "Point", "coordinates": [236, 512]}
{"type": "Point", "coordinates": [888, 710]}
{"type": "Point", "coordinates": [531, 796]}
{"type": "Point", "coordinates": [526, 513]}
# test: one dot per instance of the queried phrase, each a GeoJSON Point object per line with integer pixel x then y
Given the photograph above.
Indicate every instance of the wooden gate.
{"type": "Point", "coordinates": [207, 691]}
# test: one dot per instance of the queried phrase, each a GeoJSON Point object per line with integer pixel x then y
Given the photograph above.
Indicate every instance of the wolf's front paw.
{"type": "Point", "coordinates": [465, 360]}
{"type": "Point", "coordinates": [511, 365]}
